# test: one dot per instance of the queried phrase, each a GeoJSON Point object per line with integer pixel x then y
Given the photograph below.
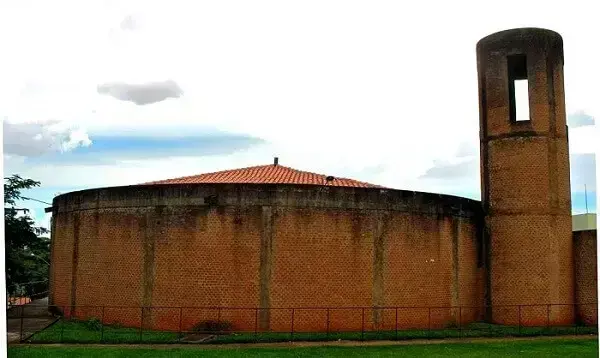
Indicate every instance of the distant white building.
{"type": "Point", "coordinates": [584, 222]}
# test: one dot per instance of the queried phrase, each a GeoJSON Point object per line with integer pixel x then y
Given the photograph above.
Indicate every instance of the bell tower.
{"type": "Point", "coordinates": [525, 179]}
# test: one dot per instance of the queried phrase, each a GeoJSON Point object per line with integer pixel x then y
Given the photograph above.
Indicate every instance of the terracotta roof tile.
{"type": "Point", "coordinates": [265, 174]}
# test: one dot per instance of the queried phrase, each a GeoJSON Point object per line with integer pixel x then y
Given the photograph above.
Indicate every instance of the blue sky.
{"type": "Point", "coordinates": [128, 92]}
{"type": "Point", "coordinates": [110, 150]}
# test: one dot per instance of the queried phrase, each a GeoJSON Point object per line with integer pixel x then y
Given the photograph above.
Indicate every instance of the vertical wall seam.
{"type": "Point", "coordinates": [552, 180]}
{"type": "Point", "coordinates": [378, 264]}
{"type": "Point", "coordinates": [148, 270]}
{"type": "Point", "coordinates": [52, 259]}
{"type": "Point", "coordinates": [75, 261]}
{"type": "Point", "coordinates": [485, 179]}
{"type": "Point", "coordinates": [265, 268]}
{"type": "Point", "coordinates": [456, 223]}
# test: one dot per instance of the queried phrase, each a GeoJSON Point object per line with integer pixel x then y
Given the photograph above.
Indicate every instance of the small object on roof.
{"type": "Point", "coordinates": [276, 161]}
{"type": "Point", "coordinates": [329, 178]}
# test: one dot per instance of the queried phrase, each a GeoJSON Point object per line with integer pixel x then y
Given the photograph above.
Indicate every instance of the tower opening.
{"type": "Point", "coordinates": [518, 88]}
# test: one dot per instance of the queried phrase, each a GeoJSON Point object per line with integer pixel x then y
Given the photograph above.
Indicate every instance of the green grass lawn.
{"type": "Point", "coordinates": [82, 332]}
{"type": "Point", "coordinates": [543, 348]}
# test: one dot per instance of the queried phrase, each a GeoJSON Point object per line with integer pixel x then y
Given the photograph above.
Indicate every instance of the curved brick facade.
{"type": "Point", "coordinates": [525, 175]}
{"type": "Point", "coordinates": [268, 246]}
{"type": "Point", "coordinates": [311, 257]}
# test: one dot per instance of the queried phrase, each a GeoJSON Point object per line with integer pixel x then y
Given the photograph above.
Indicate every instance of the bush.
{"type": "Point", "coordinates": [212, 326]}
{"type": "Point", "coordinates": [93, 324]}
{"type": "Point", "coordinates": [452, 324]}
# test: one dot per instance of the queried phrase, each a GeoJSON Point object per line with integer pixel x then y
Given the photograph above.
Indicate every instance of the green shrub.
{"type": "Point", "coordinates": [452, 324]}
{"type": "Point", "coordinates": [93, 324]}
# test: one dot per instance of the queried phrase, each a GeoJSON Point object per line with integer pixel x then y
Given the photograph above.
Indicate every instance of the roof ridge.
{"type": "Point", "coordinates": [261, 173]}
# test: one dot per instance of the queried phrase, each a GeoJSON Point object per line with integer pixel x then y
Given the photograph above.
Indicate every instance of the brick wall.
{"type": "Point", "coordinates": [586, 275]}
{"type": "Point", "coordinates": [179, 257]}
{"type": "Point", "coordinates": [308, 254]}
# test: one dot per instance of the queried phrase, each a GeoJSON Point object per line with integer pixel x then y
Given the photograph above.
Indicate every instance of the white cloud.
{"type": "Point", "coordinates": [128, 23]}
{"type": "Point", "coordinates": [381, 90]}
{"type": "Point", "coordinates": [143, 93]}
{"type": "Point", "coordinates": [583, 139]}
{"type": "Point", "coordinates": [75, 138]}
{"type": "Point", "coordinates": [33, 139]}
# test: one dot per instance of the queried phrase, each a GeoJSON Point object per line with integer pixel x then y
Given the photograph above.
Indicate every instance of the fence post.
{"type": "Point", "coordinates": [219, 319]}
{"type": "Point", "coordinates": [491, 315]}
{"type": "Point", "coordinates": [292, 333]}
{"type": "Point", "coordinates": [256, 324]}
{"type": "Point", "coordinates": [328, 323]}
{"type": "Point", "coordinates": [460, 322]}
{"type": "Point", "coordinates": [396, 323]}
{"type": "Point", "coordinates": [141, 323]}
{"type": "Point", "coordinates": [429, 321]}
{"type": "Point", "coordinates": [519, 320]}
{"type": "Point", "coordinates": [62, 326]}
{"type": "Point", "coordinates": [576, 320]}
{"type": "Point", "coordinates": [362, 329]}
{"type": "Point", "coordinates": [21, 328]}
{"type": "Point", "coordinates": [180, 323]}
{"type": "Point", "coordinates": [102, 326]}
{"type": "Point", "coordinates": [548, 319]}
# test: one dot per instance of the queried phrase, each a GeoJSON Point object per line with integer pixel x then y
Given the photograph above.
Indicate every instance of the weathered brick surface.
{"type": "Point", "coordinates": [265, 250]}
{"type": "Point", "coordinates": [586, 275]}
{"type": "Point", "coordinates": [62, 252]}
{"type": "Point", "coordinates": [525, 179]}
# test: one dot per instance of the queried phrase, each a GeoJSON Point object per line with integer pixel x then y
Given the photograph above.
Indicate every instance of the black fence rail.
{"type": "Point", "coordinates": [127, 324]}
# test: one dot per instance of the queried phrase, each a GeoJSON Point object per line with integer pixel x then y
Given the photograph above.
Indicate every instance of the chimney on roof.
{"type": "Point", "coordinates": [275, 161]}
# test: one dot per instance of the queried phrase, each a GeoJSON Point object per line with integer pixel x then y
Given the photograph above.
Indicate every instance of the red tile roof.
{"type": "Point", "coordinates": [265, 174]}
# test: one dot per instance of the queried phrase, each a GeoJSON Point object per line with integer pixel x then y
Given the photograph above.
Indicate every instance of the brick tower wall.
{"type": "Point", "coordinates": [586, 276]}
{"type": "Point", "coordinates": [525, 177]}
{"type": "Point", "coordinates": [233, 248]}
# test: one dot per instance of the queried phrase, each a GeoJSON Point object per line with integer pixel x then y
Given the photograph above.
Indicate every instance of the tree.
{"type": "Point", "coordinates": [27, 250]}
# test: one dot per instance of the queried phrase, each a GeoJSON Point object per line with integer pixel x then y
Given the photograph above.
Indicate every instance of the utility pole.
{"type": "Point", "coordinates": [586, 205]}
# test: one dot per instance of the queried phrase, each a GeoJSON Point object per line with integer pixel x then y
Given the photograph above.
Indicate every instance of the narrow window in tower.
{"type": "Point", "coordinates": [518, 85]}
{"type": "Point", "coordinates": [522, 100]}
